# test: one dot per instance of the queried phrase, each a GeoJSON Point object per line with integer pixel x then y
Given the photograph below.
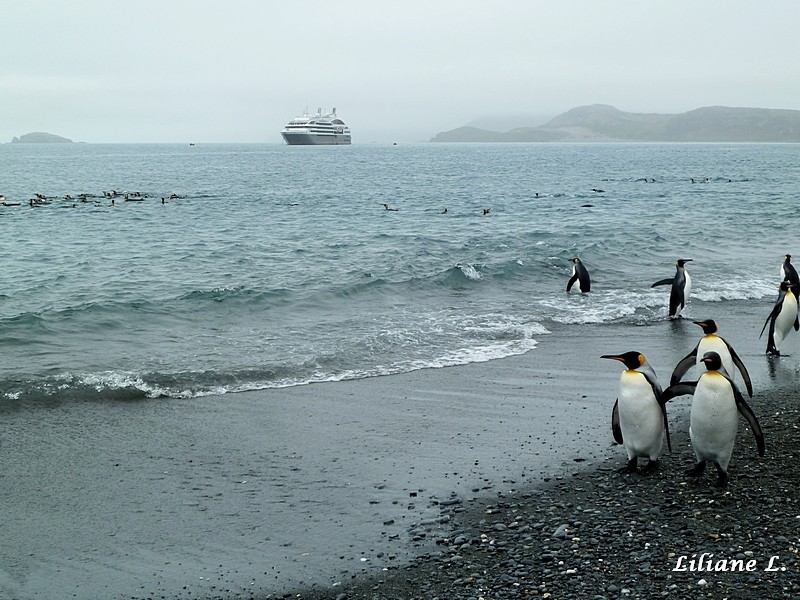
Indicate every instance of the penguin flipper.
{"type": "Point", "coordinates": [572, 280]}
{"type": "Point", "coordinates": [771, 347]}
{"type": "Point", "coordinates": [742, 369]}
{"type": "Point", "coordinates": [683, 388]}
{"type": "Point", "coordinates": [772, 316]}
{"type": "Point", "coordinates": [667, 281]}
{"type": "Point", "coordinates": [751, 419]}
{"type": "Point", "coordinates": [797, 323]}
{"type": "Point", "coordinates": [666, 425]}
{"type": "Point", "coordinates": [585, 281]}
{"type": "Point", "coordinates": [686, 363]}
{"type": "Point", "coordinates": [615, 428]}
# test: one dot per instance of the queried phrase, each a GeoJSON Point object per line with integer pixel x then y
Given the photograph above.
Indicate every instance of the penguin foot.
{"type": "Point", "coordinates": [722, 477]}
{"type": "Point", "coordinates": [773, 351]}
{"type": "Point", "coordinates": [697, 470]}
{"type": "Point", "coordinates": [629, 468]}
{"type": "Point", "coordinates": [652, 467]}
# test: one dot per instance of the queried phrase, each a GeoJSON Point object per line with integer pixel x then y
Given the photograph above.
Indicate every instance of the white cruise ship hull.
{"type": "Point", "coordinates": [296, 138]}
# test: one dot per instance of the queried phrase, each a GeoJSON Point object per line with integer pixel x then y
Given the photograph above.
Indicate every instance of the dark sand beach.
{"type": "Point", "coordinates": [602, 534]}
{"type": "Point", "coordinates": [487, 480]}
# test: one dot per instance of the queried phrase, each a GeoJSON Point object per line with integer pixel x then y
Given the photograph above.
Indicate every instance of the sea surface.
{"type": "Point", "coordinates": [269, 265]}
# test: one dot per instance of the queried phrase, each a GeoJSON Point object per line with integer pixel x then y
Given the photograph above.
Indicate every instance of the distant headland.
{"type": "Point", "coordinates": [39, 137]}
{"type": "Point", "coordinates": [604, 123]}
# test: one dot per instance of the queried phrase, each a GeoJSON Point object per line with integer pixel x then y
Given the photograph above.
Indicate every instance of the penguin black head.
{"type": "Point", "coordinates": [709, 326]}
{"type": "Point", "coordinates": [575, 260]}
{"type": "Point", "coordinates": [632, 360]}
{"type": "Point", "coordinates": [712, 361]}
{"type": "Point", "coordinates": [787, 258]}
{"type": "Point", "coordinates": [786, 286]}
{"type": "Point", "coordinates": [682, 261]}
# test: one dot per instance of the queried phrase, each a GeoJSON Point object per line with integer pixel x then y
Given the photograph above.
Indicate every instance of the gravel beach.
{"type": "Point", "coordinates": [597, 533]}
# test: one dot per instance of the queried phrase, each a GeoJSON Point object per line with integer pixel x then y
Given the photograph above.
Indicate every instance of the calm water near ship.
{"type": "Point", "coordinates": [279, 265]}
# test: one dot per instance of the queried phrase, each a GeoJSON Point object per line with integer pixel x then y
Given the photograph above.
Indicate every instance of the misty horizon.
{"type": "Point", "coordinates": [397, 72]}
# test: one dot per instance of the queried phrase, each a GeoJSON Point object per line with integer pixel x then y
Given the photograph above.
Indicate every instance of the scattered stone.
{"type": "Point", "coordinates": [612, 535]}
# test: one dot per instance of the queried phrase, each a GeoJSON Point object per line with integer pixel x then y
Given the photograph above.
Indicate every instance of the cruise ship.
{"type": "Point", "coordinates": [319, 129]}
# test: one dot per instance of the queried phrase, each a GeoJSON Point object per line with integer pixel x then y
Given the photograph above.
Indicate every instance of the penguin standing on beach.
{"type": "Point", "coordinates": [788, 272]}
{"type": "Point", "coordinates": [711, 342]}
{"type": "Point", "coordinates": [714, 418]}
{"type": "Point", "coordinates": [639, 417]}
{"type": "Point", "coordinates": [782, 318]}
{"type": "Point", "coordinates": [581, 275]}
{"type": "Point", "coordinates": [681, 287]}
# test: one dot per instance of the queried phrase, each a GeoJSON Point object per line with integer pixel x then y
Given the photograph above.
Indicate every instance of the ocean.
{"type": "Point", "coordinates": [270, 266]}
{"type": "Point", "coordinates": [237, 392]}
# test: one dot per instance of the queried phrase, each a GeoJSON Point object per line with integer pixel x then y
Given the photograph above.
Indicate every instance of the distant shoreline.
{"type": "Point", "coordinates": [603, 123]}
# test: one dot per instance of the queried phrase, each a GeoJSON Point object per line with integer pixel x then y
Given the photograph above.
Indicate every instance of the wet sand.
{"type": "Point", "coordinates": [262, 493]}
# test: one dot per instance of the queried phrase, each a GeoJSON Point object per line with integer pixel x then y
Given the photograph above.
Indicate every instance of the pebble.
{"type": "Point", "coordinates": [613, 535]}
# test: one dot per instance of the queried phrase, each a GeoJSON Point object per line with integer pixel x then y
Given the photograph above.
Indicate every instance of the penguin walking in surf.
{"type": "Point", "coordinates": [788, 272]}
{"type": "Point", "coordinates": [782, 318]}
{"type": "Point", "coordinates": [639, 417]}
{"type": "Point", "coordinates": [681, 287]}
{"type": "Point", "coordinates": [714, 417]}
{"type": "Point", "coordinates": [581, 275]}
{"type": "Point", "coordinates": [711, 342]}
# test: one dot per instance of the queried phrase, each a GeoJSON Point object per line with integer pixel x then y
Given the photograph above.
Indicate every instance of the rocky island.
{"type": "Point", "coordinates": [40, 138]}
{"type": "Point", "coordinates": [604, 123]}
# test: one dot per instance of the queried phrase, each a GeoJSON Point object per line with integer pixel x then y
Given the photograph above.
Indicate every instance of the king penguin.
{"type": "Point", "coordinates": [788, 272]}
{"type": "Point", "coordinates": [713, 421]}
{"type": "Point", "coordinates": [579, 274]}
{"type": "Point", "coordinates": [710, 342]}
{"type": "Point", "coordinates": [681, 287]}
{"type": "Point", "coordinates": [639, 417]}
{"type": "Point", "coordinates": [782, 318]}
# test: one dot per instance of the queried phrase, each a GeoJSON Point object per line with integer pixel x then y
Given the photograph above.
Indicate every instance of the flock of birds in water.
{"type": "Point", "coordinates": [72, 202]}
{"type": "Point", "coordinates": [639, 417]}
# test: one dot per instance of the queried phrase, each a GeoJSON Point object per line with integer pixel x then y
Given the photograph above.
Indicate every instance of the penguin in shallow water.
{"type": "Point", "coordinates": [782, 318]}
{"type": "Point", "coordinates": [788, 272]}
{"type": "Point", "coordinates": [714, 418]}
{"type": "Point", "coordinates": [681, 287]}
{"type": "Point", "coordinates": [581, 275]}
{"type": "Point", "coordinates": [639, 417]}
{"type": "Point", "coordinates": [708, 343]}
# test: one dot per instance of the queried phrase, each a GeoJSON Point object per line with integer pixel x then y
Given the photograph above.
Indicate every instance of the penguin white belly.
{"type": "Point", "coordinates": [687, 287]}
{"type": "Point", "coordinates": [713, 420]}
{"type": "Point", "coordinates": [713, 343]}
{"type": "Point", "coordinates": [785, 319]}
{"type": "Point", "coordinates": [640, 417]}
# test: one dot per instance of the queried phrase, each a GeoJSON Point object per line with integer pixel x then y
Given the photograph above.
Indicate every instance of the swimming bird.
{"type": "Point", "coordinates": [579, 274]}
{"type": "Point", "coordinates": [710, 342]}
{"type": "Point", "coordinates": [486, 211]}
{"type": "Point", "coordinates": [714, 418]}
{"type": "Point", "coordinates": [386, 206]}
{"type": "Point", "coordinates": [639, 417]}
{"type": "Point", "coordinates": [681, 287]}
{"type": "Point", "coordinates": [782, 318]}
{"type": "Point", "coordinates": [788, 272]}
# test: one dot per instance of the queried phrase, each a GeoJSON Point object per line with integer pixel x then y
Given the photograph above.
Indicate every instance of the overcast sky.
{"type": "Point", "coordinates": [396, 70]}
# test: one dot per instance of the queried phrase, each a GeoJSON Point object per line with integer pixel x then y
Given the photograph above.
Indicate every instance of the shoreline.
{"type": "Point", "coordinates": [282, 491]}
{"type": "Point", "coordinates": [599, 533]}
